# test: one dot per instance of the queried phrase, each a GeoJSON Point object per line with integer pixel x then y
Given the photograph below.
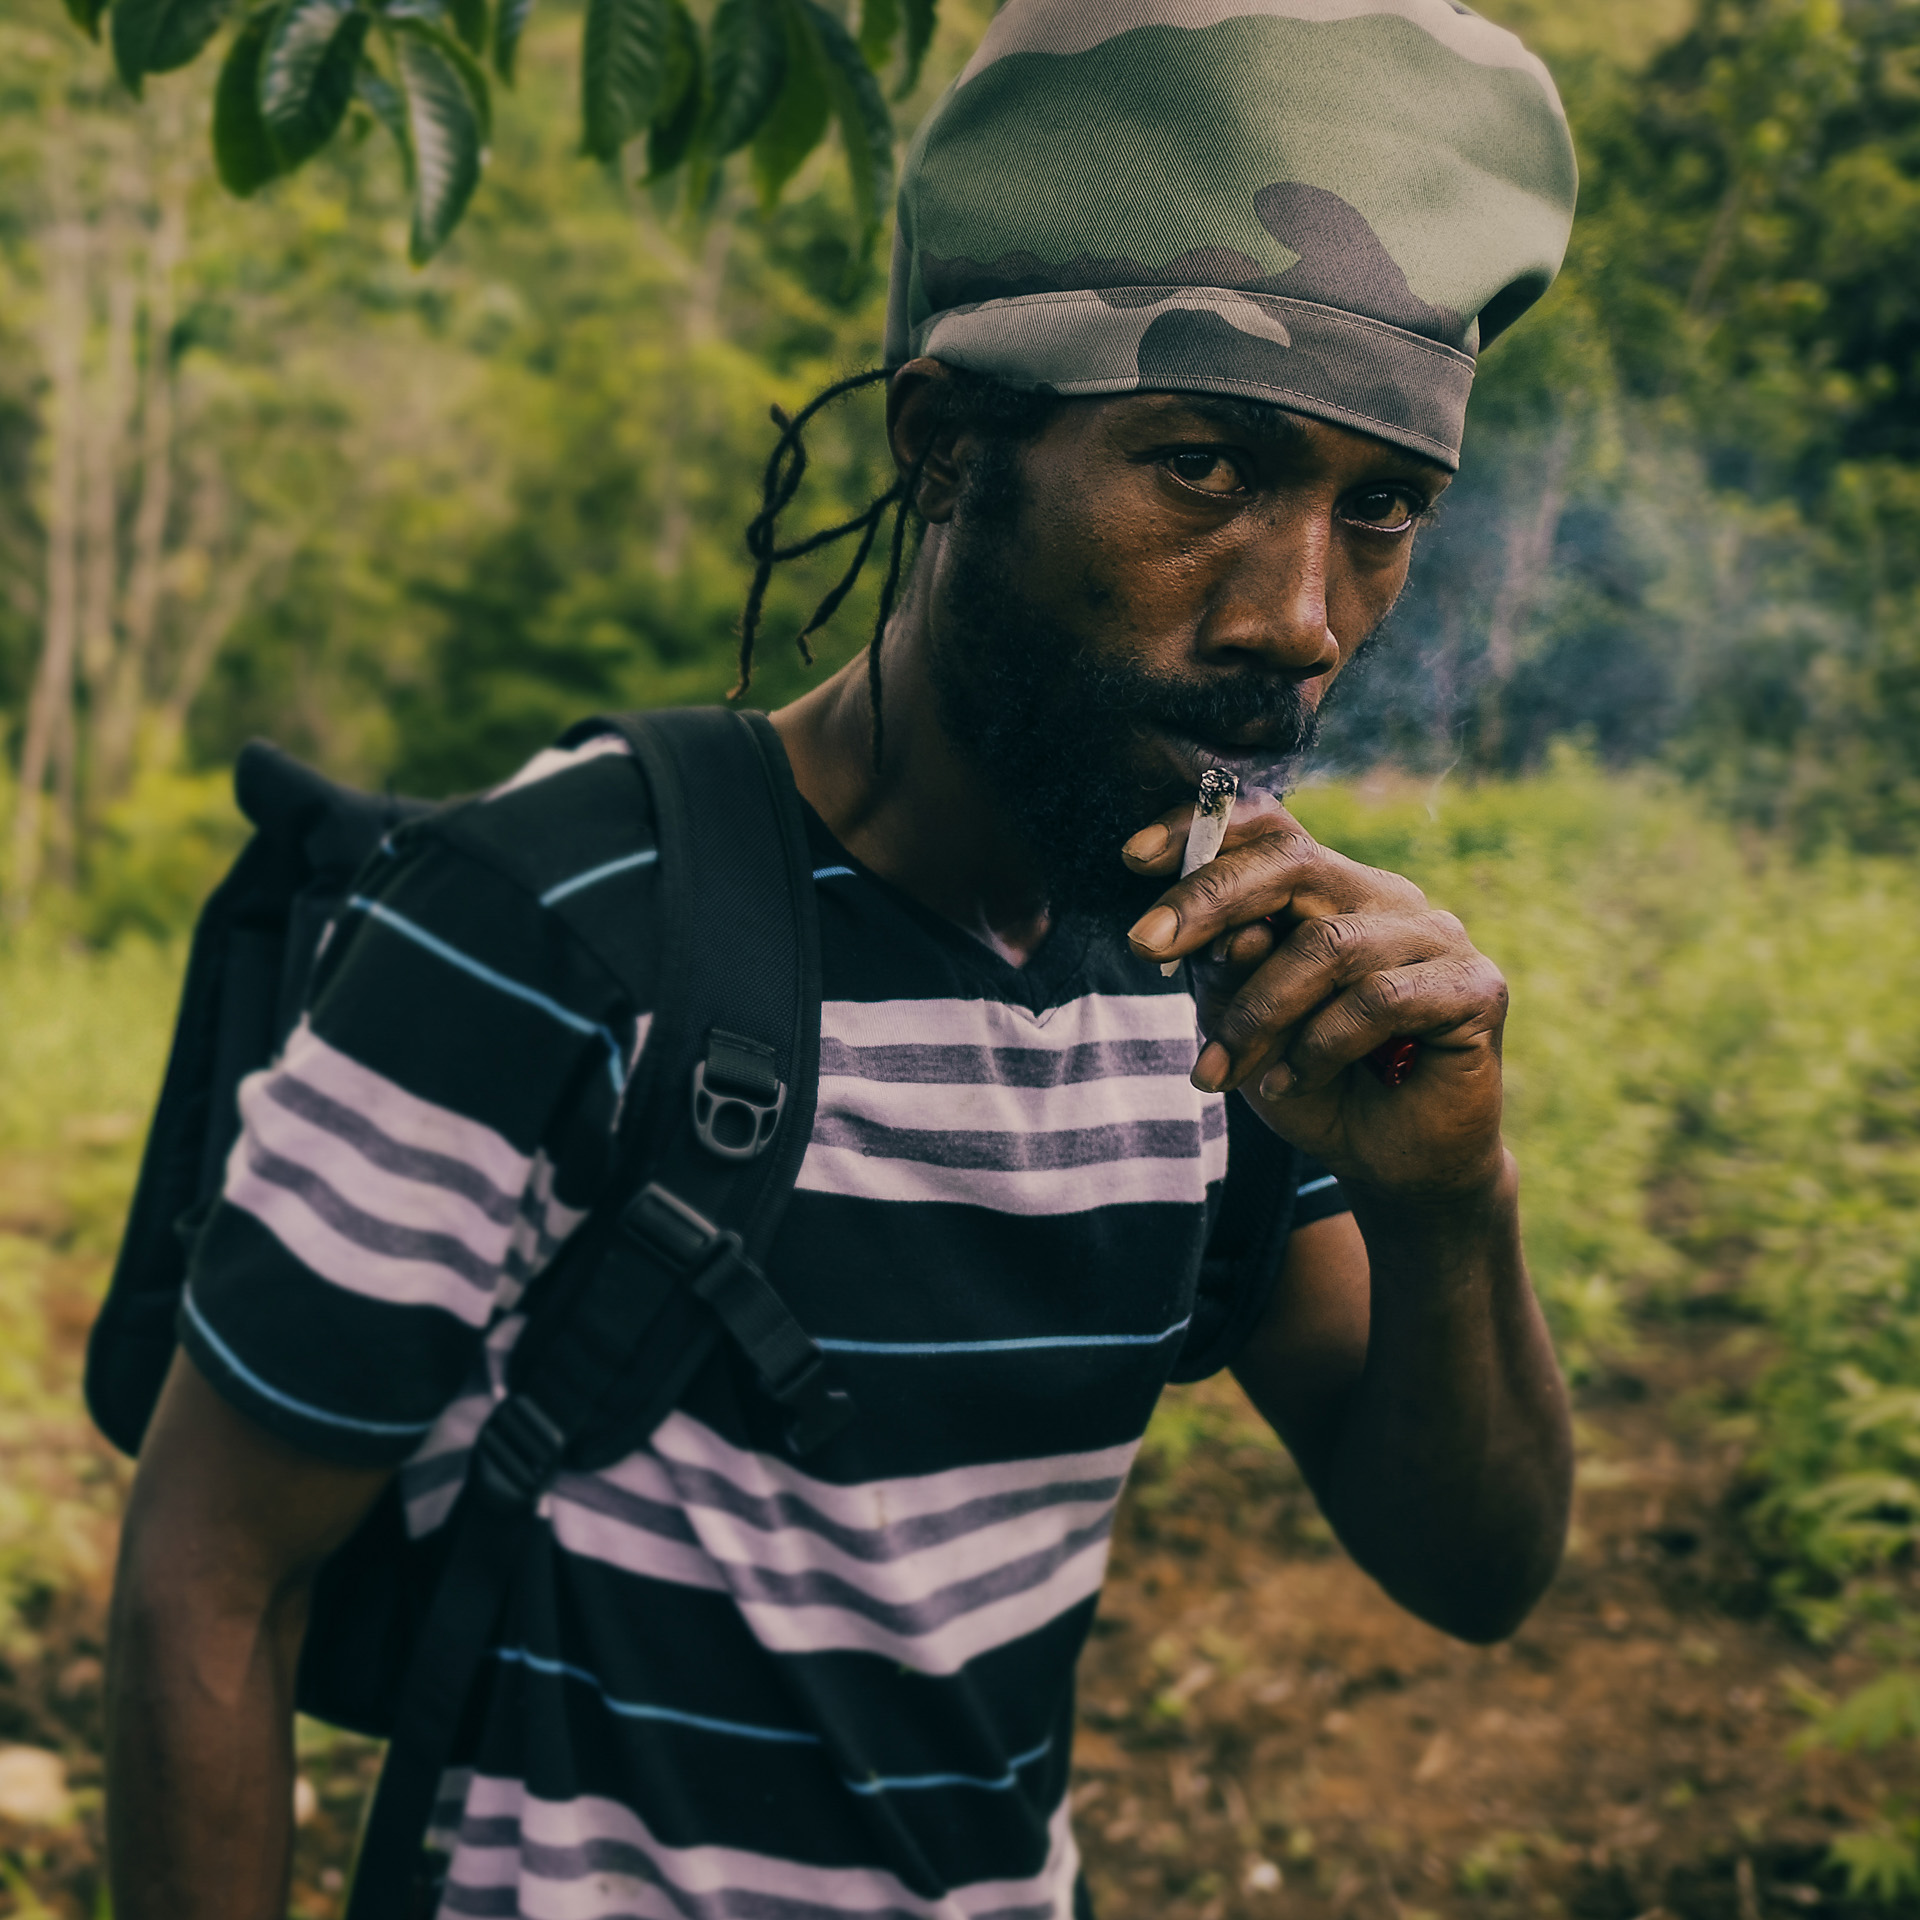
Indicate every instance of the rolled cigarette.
{"type": "Point", "coordinates": [1212, 809]}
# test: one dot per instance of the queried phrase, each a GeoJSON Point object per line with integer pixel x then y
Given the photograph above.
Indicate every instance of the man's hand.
{"type": "Point", "coordinates": [1306, 963]}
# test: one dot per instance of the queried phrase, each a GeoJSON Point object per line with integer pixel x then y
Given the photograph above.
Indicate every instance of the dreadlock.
{"type": "Point", "coordinates": [973, 398]}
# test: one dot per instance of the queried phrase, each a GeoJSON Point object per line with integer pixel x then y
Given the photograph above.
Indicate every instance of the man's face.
{"type": "Point", "coordinates": [1156, 584]}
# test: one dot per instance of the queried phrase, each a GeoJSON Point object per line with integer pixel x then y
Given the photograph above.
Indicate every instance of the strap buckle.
{"type": "Point", "coordinates": [517, 1451]}
{"type": "Point", "coordinates": [737, 1096]}
{"type": "Point", "coordinates": [791, 1370]}
{"type": "Point", "coordinates": [818, 1411]}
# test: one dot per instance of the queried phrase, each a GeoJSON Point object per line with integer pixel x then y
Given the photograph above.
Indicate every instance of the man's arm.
{"type": "Point", "coordinates": [1405, 1364]}
{"type": "Point", "coordinates": [224, 1533]}
{"type": "Point", "coordinates": [1405, 1359]}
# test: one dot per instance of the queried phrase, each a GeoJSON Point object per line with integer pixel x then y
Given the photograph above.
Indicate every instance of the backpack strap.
{"type": "Point", "coordinates": [710, 1145]}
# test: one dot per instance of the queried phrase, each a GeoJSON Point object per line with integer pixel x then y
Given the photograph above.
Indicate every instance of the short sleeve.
{"type": "Point", "coordinates": [437, 1123]}
{"type": "Point", "coordinates": [1317, 1194]}
{"type": "Point", "coordinates": [1249, 1240]}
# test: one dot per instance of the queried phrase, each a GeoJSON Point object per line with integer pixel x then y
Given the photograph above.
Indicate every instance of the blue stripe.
{"type": "Point", "coordinates": [1033, 1344]}
{"type": "Point", "coordinates": [467, 964]}
{"type": "Point", "coordinates": [904, 1783]}
{"type": "Point", "coordinates": [1318, 1186]}
{"type": "Point", "coordinates": [592, 874]}
{"type": "Point", "coordinates": [834, 873]}
{"type": "Point", "coordinates": [779, 1736]}
{"type": "Point", "coordinates": [241, 1371]}
{"type": "Point", "coordinates": [633, 1710]}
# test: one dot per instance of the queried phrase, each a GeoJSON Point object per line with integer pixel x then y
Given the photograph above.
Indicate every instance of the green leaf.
{"type": "Point", "coordinates": [798, 121]}
{"type": "Point", "coordinates": [244, 152]}
{"type": "Point", "coordinates": [623, 70]}
{"type": "Point", "coordinates": [156, 36]}
{"type": "Point", "coordinates": [749, 67]}
{"type": "Point", "coordinates": [509, 23]}
{"type": "Point", "coordinates": [681, 100]}
{"type": "Point", "coordinates": [446, 124]}
{"type": "Point", "coordinates": [865, 124]}
{"type": "Point", "coordinates": [306, 73]}
{"type": "Point", "coordinates": [85, 14]}
{"type": "Point", "coordinates": [1881, 1864]}
{"type": "Point", "coordinates": [388, 105]}
{"type": "Point", "coordinates": [470, 22]}
{"type": "Point", "coordinates": [920, 19]}
{"type": "Point", "coordinates": [879, 28]}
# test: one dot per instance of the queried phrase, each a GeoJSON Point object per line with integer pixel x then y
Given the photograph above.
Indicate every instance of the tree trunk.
{"type": "Point", "coordinates": [50, 716]}
{"type": "Point", "coordinates": [107, 409]}
{"type": "Point", "coordinates": [127, 694]}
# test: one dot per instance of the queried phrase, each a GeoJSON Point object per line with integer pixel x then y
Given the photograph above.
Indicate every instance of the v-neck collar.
{"type": "Point", "coordinates": [1040, 984]}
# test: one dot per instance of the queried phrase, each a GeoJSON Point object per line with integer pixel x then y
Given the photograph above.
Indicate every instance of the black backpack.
{"type": "Point", "coordinates": [711, 1140]}
{"type": "Point", "coordinates": [643, 1292]}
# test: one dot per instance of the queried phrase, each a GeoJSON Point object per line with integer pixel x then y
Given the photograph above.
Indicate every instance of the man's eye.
{"type": "Point", "coordinates": [1384, 509]}
{"type": "Point", "coordinates": [1206, 472]}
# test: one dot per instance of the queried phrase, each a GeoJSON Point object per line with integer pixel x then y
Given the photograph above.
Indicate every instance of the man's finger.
{"type": "Point", "coordinates": [1161, 846]}
{"type": "Point", "coordinates": [1320, 959]}
{"type": "Point", "coordinates": [1452, 1001]}
{"type": "Point", "coordinates": [1282, 869]}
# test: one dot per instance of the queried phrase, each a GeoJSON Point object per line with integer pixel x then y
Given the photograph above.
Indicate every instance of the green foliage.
{"type": "Point", "coordinates": [305, 79]}
{"type": "Point", "coordinates": [156, 36]}
{"type": "Point", "coordinates": [623, 68]}
{"type": "Point", "coordinates": [749, 71]}
{"type": "Point", "coordinates": [773, 72]}
{"type": "Point", "coordinates": [1881, 1862]}
{"type": "Point", "coordinates": [447, 114]}
{"type": "Point", "coordinates": [1686, 524]}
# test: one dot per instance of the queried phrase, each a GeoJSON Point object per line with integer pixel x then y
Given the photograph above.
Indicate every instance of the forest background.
{"type": "Point", "coordinates": [1649, 718]}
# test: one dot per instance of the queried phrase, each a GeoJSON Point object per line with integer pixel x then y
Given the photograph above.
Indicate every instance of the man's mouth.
{"type": "Point", "coordinates": [1187, 757]}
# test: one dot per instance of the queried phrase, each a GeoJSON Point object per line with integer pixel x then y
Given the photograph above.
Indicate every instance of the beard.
{"type": "Point", "coordinates": [1062, 733]}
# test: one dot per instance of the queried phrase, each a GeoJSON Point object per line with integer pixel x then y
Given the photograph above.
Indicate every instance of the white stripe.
{"type": "Point", "coordinates": [1062, 1190]}
{"type": "Point", "coordinates": [999, 1108]}
{"type": "Point", "coordinates": [599, 1536]}
{"type": "Point", "coordinates": [581, 1843]}
{"type": "Point", "coordinates": [871, 1503]}
{"type": "Point", "coordinates": [993, 1023]}
{"type": "Point", "coordinates": [944, 1649]}
{"type": "Point", "coordinates": [735, 1541]}
{"type": "Point", "coordinates": [402, 1115]}
{"type": "Point", "coordinates": [453, 1434]}
{"type": "Point", "coordinates": [394, 1280]}
{"type": "Point", "coordinates": [740, 1552]}
{"type": "Point", "coordinates": [551, 760]}
{"type": "Point", "coordinates": [392, 1198]}
{"type": "Point", "coordinates": [542, 1228]}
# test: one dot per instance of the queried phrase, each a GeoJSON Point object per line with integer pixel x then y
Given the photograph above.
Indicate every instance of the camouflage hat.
{"type": "Point", "coordinates": [1328, 204]}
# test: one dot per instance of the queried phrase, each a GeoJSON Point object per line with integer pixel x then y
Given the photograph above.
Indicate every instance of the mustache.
{"type": "Point", "coordinates": [1224, 704]}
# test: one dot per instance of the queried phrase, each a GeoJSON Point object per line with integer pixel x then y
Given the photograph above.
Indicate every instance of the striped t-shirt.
{"type": "Point", "coordinates": [733, 1683]}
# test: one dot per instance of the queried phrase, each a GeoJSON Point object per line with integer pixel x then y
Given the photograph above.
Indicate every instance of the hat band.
{"type": "Point", "coordinates": [1335, 366]}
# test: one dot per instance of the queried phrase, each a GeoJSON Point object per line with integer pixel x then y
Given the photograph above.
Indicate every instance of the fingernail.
{"type": "Point", "coordinates": [1217, 953]}
{"type": "Point", "coordinates": [1276, 1082]}
{"type": "Point", "coordinates": [1148, 844]}
{"type": "Point", "coordinates": [1211, 1069]}
{"type": "Point", "coordinates": [1156, 929]}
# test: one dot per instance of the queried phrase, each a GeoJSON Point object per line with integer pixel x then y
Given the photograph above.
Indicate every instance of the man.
{"type": "Point", "coordinates": [1185, 301]}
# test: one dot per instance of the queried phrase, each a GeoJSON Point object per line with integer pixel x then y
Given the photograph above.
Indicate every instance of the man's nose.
{"type": "Point", "coordinates": [1269, 606]}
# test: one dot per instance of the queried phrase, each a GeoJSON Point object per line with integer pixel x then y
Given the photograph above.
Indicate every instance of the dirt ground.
{"type": "Point", "coordinates": [1264, 1735]}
